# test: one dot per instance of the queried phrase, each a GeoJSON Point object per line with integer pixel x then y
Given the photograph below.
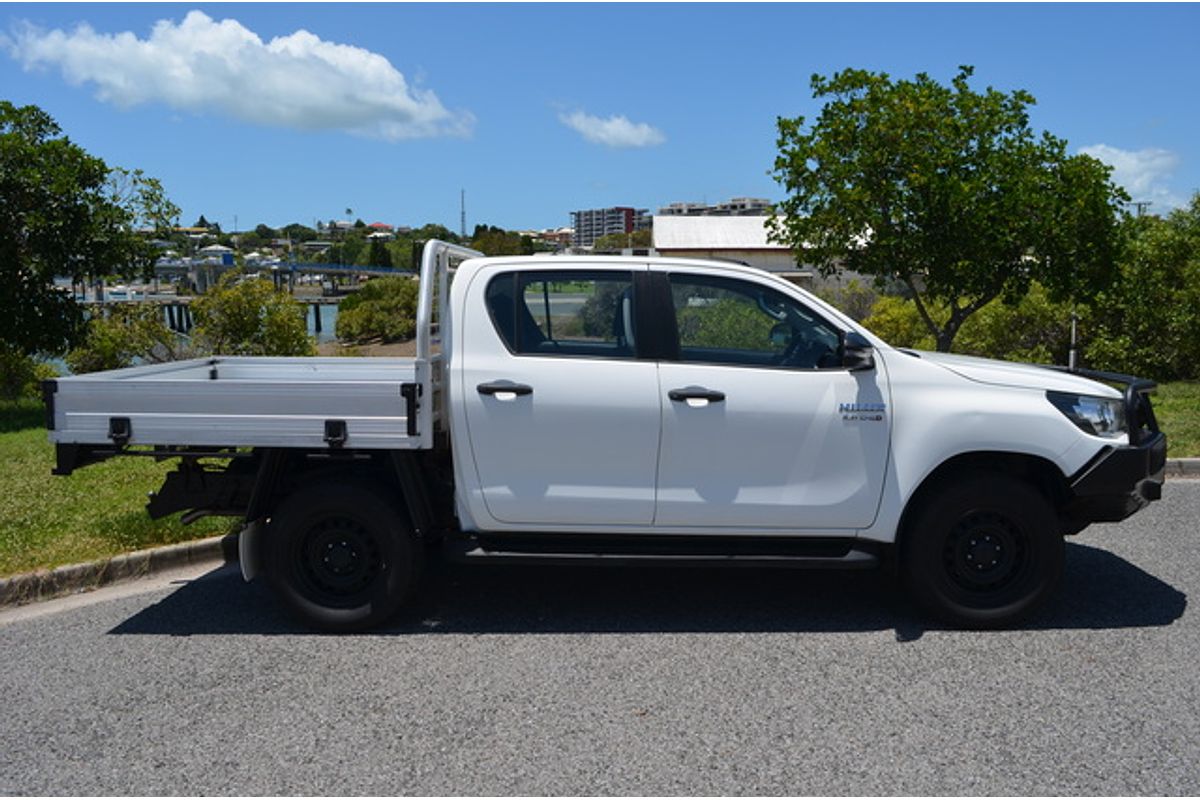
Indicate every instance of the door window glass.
{"type": "Point", "coordinates": [589, 314]}
{"type": "Point", "coordinates": [728, 321]}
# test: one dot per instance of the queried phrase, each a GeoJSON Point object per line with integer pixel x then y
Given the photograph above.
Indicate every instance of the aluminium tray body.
{"type": "Point", "coordinates": [245, 402]}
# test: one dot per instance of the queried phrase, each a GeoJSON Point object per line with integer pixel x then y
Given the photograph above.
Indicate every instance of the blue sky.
{"type": "Point", "coordinates": [294, 112]}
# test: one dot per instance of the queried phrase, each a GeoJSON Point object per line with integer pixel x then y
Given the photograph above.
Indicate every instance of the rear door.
{"type": "Point", "coordinates": [562, 414]}
{"type": "Point", "coordinates": [762, 427]}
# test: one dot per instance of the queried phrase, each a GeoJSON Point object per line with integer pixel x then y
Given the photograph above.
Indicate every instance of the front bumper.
{"type": "Point", "coordinates": [1119, 482]}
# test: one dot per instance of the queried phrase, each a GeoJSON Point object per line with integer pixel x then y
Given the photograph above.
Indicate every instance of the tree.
{"type": "Point", "coordinates": [298, 233]}
{"type": "Point", "coordinates": [619, 241]}
{"type": "Point", "coordinates": [384, 309]}
{"type": "Point", "coordinates": [947, 191]}
{"type": "Point", "coordinates": [492, 241]}
{"type": "Point", "coordinates": [379, 255]}
{"type": "Point", "coordinates": [131, 331]}
{"type": "Point", "coordinates": [243, 316]}
{"type": "Point", "coordinates": [1148, 322]}
{"type": "Point", "coordinates": [433, 230]}
{"type": "Point", "coordinates": [64, 213]}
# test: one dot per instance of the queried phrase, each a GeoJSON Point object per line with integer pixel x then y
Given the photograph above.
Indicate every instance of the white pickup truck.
{"type": "Point", "coordinates": [601, 409]}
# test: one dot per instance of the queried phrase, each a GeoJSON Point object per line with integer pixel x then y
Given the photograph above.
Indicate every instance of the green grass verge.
{"type": "Point", "coordinates": [1177, 406]}
{"type": "Point", "coordinates": [98, 512]}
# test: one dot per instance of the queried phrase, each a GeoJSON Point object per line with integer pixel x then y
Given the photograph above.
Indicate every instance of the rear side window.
{"type": "Point", "coordinates": [584, 314]}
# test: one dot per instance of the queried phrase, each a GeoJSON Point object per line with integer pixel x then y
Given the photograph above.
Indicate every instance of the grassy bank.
{"type": "Point", "coordinates": [98, 512]}
{"type": "Point", "coordinates": [1177, 406]}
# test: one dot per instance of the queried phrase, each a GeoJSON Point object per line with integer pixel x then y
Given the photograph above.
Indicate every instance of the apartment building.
{"type": "Point", "coordinates": [591, 224]}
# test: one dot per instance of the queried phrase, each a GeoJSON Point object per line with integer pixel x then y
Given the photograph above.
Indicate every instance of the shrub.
{"type": "Point", "coordinates": [21, 376]}
{"type": "Point", "coordinates": [385, 309]}
{"type": "Point", "coordinates": [1034, 329]}
{"type": "Point", "coordinates": [855, 299]}
{"type": "Point", "coordinates": [897, 321]}
{"type": "Point", "coordinates": [130, 333]}
{"type": "Point", "coordinates": [249, 317]}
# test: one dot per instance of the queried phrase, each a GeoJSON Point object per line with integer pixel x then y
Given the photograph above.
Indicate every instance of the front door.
{"type": "Point", "coordinates": [762, 427]}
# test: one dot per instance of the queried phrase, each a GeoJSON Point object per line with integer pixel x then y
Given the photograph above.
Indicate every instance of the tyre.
{"type": "Point", "coordinates": [983, 551]}
{"type": "Point", "coordinates": [341, 557]}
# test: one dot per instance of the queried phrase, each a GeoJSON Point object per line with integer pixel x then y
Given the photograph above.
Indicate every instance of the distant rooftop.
{"type": "Point", "coordinates": [712, 233]}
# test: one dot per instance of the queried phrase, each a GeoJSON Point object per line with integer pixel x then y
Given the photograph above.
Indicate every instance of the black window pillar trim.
{"type": "Point", "coordinates": [658, 338]}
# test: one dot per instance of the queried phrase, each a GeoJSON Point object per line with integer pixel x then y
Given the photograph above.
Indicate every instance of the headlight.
{"type": "Point", "coordinates": [1099, 416]}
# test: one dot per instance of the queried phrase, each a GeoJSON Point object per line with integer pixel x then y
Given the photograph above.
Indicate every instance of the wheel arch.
{"type": "Point", "coordinates": [394, 474]}
{"type": "Point", "coordinates": [1039, 472]}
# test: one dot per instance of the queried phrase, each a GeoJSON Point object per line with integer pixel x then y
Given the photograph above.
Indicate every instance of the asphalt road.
{"type": "Point", "coordinates": [586, 681]}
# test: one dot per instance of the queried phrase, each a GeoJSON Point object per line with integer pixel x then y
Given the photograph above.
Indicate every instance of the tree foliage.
{"type": "Point", "coordinates": [384, 309]}
{"type": "Point", "coordinates": [946, 190]}
{"type": "Point", "coordinates": [21, 376]}
{"type": "Point", "coordinates": [619, 241]}
{"type": "Point", "coordinates": [727, 324]}
{"type": "Point", "coordinates": [379, 255]}
{"type": "Point", "coordinates": [63, 213]}
{"type": "Point", "coordinates": [244, 316]}
{"type": "Point", "coordinates": [1033, 329]}
{"type": "Point", "coordinates": [129, 333]}
{"type": "Point", "coordinates": [1148, 323]}
{"type": "Point", "coordinates": [492, 241]}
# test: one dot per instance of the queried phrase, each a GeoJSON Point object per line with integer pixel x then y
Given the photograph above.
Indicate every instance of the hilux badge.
{"type": "Point", "coordinates": [864, 412]}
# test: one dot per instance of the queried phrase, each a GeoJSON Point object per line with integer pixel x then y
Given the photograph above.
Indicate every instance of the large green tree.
{"type": "Point", "coordinates": [1148, 322]}
{"type": "Point", "coordinates": [946, 190]}
{"type": "Point", "coordinates": [64, 213]}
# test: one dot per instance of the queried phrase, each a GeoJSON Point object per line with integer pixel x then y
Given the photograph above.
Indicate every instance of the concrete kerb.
{"type": "Point", "coordinates": [46, 584]}
{"type": "Point", "coordinates": [1183, 467]}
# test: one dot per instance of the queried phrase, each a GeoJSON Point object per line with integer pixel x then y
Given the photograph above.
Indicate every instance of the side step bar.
{"type": "Point", "coordinates": [852, 559]}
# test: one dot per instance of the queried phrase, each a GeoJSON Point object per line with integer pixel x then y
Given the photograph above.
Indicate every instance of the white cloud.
{"type": "Point", "coordinates": [1144, 173]}
{"type": "Point", "coordinates": [616, 131]}
{"type": "Point", "coordinates": [201, 65]}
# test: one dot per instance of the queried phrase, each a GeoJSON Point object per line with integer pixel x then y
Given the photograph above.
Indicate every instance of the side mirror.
{"type": "Point", "coordinates": [856, 352]}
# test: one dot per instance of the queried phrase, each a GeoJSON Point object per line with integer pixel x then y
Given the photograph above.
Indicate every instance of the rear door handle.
{"type": "Point", "coordinates": [504, 387]}
{"type": "Point", "coordinates": [696, 393]}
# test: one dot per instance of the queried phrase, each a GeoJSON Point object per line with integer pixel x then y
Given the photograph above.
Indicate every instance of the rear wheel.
{"type": "Point", "coordinates": [340, 556]}
{"type": "Point", "coordinates": [983, 551]}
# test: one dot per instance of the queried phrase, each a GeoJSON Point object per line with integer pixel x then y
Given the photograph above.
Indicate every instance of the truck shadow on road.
{"type": "Point", "coordinates": [1100, 591]}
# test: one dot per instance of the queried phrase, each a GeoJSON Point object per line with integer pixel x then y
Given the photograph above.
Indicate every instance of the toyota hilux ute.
{"type": "Point", "coordinates": [622, 409]}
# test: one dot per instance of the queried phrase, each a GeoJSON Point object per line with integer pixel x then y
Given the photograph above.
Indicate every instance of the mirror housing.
{"type": "Point", "coordinates": [856, 352]}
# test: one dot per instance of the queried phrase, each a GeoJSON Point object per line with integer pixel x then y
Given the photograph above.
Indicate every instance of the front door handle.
{"type": "Point", "coordinates": [696, 393]}
{"type": "Point", "coordinates": [504, 387]}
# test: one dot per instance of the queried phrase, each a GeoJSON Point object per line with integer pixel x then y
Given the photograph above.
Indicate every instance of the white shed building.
{"type": "Point", "coordinates": [741, 239]}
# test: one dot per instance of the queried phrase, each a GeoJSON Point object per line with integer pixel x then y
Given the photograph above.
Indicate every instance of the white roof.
{"type": "Point", "coordinates": [712, 233]}
{"type": "Point", "coordinates": [216, 248]}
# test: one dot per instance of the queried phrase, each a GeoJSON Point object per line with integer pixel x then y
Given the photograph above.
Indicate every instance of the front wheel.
{"type": "Point", "coordinates": [983, 551]}
{"type": "Point", "coordinates": [340, 556]}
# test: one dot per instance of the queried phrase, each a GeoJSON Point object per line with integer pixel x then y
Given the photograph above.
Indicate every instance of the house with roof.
{"type": "Point", "coordinates": [729, 238]}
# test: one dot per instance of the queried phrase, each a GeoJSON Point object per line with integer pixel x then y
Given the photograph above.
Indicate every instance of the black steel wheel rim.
{"type": "Point", "coordinates": [986, 554]}
{"type": "Point", "coordinates": [338, 561]}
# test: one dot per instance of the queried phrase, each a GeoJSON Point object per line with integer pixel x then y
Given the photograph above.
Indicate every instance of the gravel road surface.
{"type": "Point", "coordinates": [630, 681]}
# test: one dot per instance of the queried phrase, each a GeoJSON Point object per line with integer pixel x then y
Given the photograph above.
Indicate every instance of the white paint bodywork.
{"type": "Point", "coordinates": [776, 458]}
